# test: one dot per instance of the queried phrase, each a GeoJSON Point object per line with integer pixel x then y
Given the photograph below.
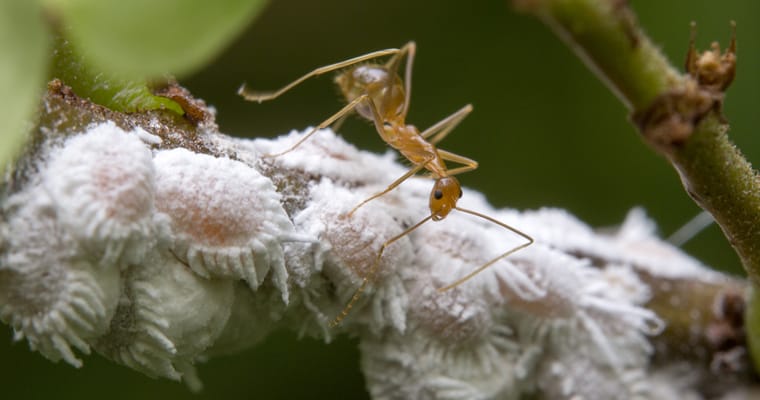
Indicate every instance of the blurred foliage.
{"type": "Point", "coordinates": [140, 38]}
{"type": "Point", "coordinates": [106, 50]}
{"type": "Point", "coordinates": [545, 131]}
{"type": "Point", "coordinates": [23, 49]}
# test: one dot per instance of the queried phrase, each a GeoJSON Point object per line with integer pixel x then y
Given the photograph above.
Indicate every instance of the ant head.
{"type": "Point", "coordinates": [444, 196]}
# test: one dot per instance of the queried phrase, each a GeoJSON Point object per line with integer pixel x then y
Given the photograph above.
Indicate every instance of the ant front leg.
{"type": "Point", "coordinates": [468, 164]}
{"type": "Point", "coordinates": [407, 175]}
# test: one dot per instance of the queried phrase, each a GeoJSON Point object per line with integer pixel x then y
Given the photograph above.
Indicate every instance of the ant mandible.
{"type": "Point", "coordinates": [377, 93]}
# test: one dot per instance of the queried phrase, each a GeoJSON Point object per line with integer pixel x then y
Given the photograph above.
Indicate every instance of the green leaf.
{"type": "Point", "coordinates": [107, 89]}
{"type": "Point", "coordinates": [148, 38]}
{"type": "Point", "coordinates": [23, 55]}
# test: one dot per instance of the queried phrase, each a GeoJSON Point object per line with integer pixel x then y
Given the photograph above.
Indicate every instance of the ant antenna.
{"type": "Point", "coordinates": [495, 259]}
{"type": "Point", "coordinates": [373, 272]}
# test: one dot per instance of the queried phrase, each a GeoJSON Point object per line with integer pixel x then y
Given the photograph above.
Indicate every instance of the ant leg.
{"type": "Point", "coordinates": [373, 271]}
{"type": "Point", "coordinates": [411, 172]}
{"type": "Point", "coordinates": [468, 163]}
{"type": "Point", "coordinates": [409, 50]}
{"type": "Point", "coordinates": [251, 95]}
{"type": "Point", "coordinates": [339, 123]}
{"type": "Point", "coordinates": [494, 260]}
{"type": "Point", "coordinates": [324, 124]}
{"type": "Point", "coordinates": [442, 128]}
{"type": "Point", "coordinates": [412, 49]}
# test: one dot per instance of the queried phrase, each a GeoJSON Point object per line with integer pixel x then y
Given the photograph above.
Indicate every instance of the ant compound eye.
{"type": "Point", "coordinates": [460, 193]}
{"type": "Point", "coordinates": [438, 194]}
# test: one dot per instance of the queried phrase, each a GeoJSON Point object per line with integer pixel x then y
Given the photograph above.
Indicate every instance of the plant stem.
{"type": "Point", "coordinates": [678, 115]}
{"type": "Point", "coordinates": [720, 180]}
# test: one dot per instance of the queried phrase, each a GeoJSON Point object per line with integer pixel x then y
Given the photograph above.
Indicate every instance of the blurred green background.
{"type": "Point", "coordinates": [546, 132]}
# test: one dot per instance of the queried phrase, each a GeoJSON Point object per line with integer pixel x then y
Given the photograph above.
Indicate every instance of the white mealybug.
{"type": "Point", "coordinates": [48, 294]}
{"type": "Point", "coordinates": [226, 218]}
{"type": "Point", "coordinates": [102, 186]}
{"type": "Point", "coordinates": [152, 332]}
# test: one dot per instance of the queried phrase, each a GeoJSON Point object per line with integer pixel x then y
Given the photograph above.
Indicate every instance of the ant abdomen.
{"type": "Point", "coordinates": [373, 80]}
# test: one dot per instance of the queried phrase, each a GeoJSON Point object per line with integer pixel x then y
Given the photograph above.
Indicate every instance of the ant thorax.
{"type": "Point", "coordinates": [406, 139]}
{"type": "Point", "coordinates": [374, 81]}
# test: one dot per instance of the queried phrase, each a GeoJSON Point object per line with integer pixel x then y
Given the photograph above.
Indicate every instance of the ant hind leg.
{"type": "Point", "coordinates": [409, 49]}
{"type": "Point", "coordinates": [407, 175]}
{"type": "Point", "coordinates": [257, 96]}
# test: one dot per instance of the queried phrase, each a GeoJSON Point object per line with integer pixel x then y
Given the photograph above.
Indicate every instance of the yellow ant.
{"type": "Point", "coordinates": [377, 93]}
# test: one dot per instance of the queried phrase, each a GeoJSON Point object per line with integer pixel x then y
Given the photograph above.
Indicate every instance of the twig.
{"type": "Point", "coordinates": [678, 115]}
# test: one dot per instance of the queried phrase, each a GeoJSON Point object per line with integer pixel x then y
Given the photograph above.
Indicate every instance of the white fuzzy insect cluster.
{"type": "Point", "coordinates": [158, 258]}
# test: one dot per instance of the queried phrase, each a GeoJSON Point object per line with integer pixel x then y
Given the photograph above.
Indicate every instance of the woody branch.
{"type": "Point", "coordinates": [201, 222]}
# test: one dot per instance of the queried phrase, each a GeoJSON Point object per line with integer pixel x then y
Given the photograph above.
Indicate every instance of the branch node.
{"type": "Point", "coordinates": [668, 123]}
{"type": "Point", "coordinates": [670, 120]}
